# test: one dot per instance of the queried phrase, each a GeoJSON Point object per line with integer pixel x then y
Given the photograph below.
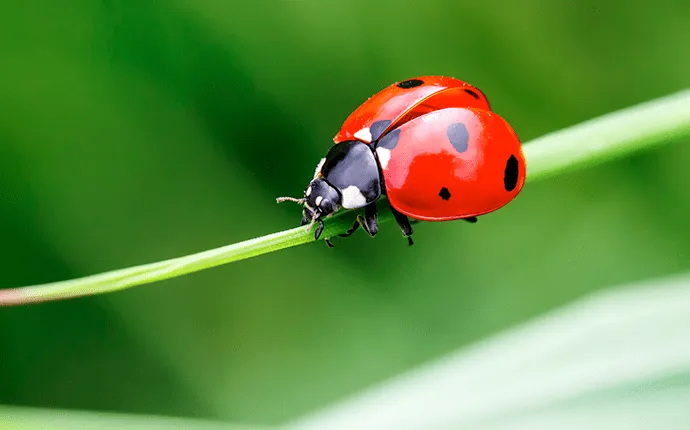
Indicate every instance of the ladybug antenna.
{"type": "Point", "coordinates": [291, 199]}
{"type": "Point", "coordinates": [314, 217]}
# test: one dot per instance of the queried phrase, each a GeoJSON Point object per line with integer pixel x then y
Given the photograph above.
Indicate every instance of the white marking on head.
{"type": "Point", "coordinates": [384, 156]}
{"type": "Point", "coordinates": [318, 167]}
{"type": "Point", "coordinates": [308, 193]}
{"type": "Point", "coordinates": [353, 198]}
{"type": "Point", "coordinates": [364, 134]}
{"type": "Point", "coordinates": [318, 200]}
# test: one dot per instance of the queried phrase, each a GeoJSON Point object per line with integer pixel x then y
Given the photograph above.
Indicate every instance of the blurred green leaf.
{"type": "Point", "coordinates": [614, 360]}
{"type": "Point", "coordinates": [16, 418]}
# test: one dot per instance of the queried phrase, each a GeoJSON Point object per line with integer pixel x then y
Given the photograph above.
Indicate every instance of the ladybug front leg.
{"type": "Point", "coordinates": [319, 229]}
{"type": "Point", "coordinates": [404, 224]}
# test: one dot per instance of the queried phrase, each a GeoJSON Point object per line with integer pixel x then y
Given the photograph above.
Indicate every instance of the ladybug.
{"type": "Point", "coordinates": [431, 145]}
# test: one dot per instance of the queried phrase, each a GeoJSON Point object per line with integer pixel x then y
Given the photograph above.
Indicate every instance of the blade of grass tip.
{"type": "Point", "coordinates": [138, 275]}
{"type": "Point", "coordinates": [158, 271]}
{"type": "Point", "coordinates": [613, 135]}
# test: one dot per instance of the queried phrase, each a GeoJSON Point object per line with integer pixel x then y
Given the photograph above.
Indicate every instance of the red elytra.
{"type": "Point", "coordinates": [402, 101]}
{"type": "Point", "coordinates": [451, 163]}
{"type": "Point", "coordinates": [443, 153]}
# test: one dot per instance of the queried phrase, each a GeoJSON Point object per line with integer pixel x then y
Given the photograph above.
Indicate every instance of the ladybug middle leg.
{"type": "Point", "coordinates": [404, 224]}
{"type": "Point", "coordinates": [369, 222]}
{"type": "Point", "coordinates": [351, 230]}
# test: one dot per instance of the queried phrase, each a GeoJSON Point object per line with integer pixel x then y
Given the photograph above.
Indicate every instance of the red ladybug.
{"type": "Point", "coordinates": [431, 145]}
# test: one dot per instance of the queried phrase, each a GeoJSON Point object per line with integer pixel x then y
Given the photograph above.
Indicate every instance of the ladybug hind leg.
{"type": "Point", "coordinates": [404, 224]}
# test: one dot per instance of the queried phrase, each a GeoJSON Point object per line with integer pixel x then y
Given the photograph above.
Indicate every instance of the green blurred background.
{"type": "Point", "coordinates": [137, 131]}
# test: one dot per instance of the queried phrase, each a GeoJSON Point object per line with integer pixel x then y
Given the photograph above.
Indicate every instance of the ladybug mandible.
{"type": "Point", "coordinates": [431, 145]}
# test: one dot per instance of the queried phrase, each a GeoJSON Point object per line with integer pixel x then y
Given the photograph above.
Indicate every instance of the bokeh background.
{"type": "Point", "coordinates": [137, 131]}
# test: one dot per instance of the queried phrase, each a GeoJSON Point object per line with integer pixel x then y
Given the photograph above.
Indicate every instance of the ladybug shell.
{"type": "Point", "coordinates": [451, 163]}
{"type": "Point", "coordinates": [405, 100]}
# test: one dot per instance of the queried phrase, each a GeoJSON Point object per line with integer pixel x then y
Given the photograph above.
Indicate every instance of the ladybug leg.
{"type": "Point", "coordinates": [352, 229]}
{"type": "Point", "coordinates": [471, 219]}
{"type": "Point", "coordinates": [404, 224]}
{"type": "Point", "coordinates": [370, 221]}
{"type": "Point", "coordinates": [319, 229]}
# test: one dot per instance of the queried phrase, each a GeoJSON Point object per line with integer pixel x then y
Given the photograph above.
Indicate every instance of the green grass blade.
{"type": "Point", "coordinates": [613, 135]}
{"type": "Point", "coordinates": [147, 273]}
{"type": "Point", "coordinates": [609, 136]}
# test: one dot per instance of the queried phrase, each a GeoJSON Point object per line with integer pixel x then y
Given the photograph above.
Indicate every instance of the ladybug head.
{"type": "Point", "coordinates": [320, 200]}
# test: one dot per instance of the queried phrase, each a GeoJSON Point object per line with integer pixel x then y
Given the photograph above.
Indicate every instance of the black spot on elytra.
{"type": "Point", "coordinates": [390, 140]}
{"type": "Point", "coordinates": [510, 176]}
{"type": "Point", "coordinates": [444, 193]}
{"type": "Point", "coordinates": [459, 136]}
{"type": "Point", "coordinates": [472, 93]}
{"type": "Point", "coordinates": [410, 83]}
{"type": "Point", "coordinates": [378, 128]}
